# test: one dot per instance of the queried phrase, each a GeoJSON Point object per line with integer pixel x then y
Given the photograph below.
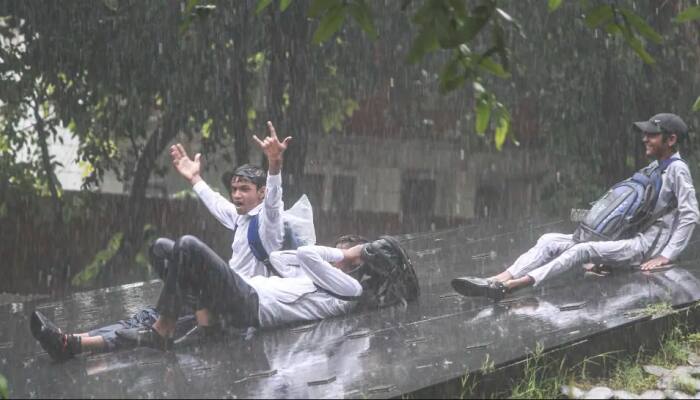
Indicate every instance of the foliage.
{"type": "Point", "coordinates": [474, 35]}
{"type": "Point", "coordinates": [541, 379]}
{"type": "Point", "coordinates": [3, 388]}
{"type": "Point", "coordinates": [629, 375]}
{"type": "Point", "coordinates": [88, 275]}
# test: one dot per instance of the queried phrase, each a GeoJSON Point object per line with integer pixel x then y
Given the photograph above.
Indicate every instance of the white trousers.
{"type": "Point", "coordinates": [556, 253]}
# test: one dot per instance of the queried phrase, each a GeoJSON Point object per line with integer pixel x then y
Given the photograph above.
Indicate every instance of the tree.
{"type": "Point", "coordinates": [462, 30]}
{"type": "Point", "coordinates": [180, 76]}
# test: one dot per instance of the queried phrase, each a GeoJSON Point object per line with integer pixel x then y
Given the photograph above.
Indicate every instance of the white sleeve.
{"type": "Point", "coordinates": [688, 214]}
{"type": "Point", "coordinates": [222, 209]}
{"type": "Point", "coordinates": [315, 261]}
{"type": "Point", "coordinates": [271, 227]}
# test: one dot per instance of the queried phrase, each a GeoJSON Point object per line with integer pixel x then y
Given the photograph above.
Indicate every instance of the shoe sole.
{"type": "Point", "coordinates": [469, 289]}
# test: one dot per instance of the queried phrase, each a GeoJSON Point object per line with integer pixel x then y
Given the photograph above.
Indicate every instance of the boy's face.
{"type": "Point", "coordinates": [245, 195]}
{"type": "Point", "coordinates": [657, 145]}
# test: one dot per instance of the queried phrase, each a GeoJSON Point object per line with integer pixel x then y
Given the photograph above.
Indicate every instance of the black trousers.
{"type": "Point", "coordinates": [196, 272]}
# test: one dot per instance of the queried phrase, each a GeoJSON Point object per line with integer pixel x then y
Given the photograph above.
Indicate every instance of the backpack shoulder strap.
{"type": "Point", "coordinates": [256, 246]}
{"type": "Point", "coordinates": [665, 163]}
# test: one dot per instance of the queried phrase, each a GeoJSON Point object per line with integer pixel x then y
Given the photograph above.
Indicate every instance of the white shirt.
{"type": "Point", "coordinates": [295, 296]}
{"type": "Point", "coordinates": [271, 226]}
{"type": "Point", "coordinates": [670, 234]}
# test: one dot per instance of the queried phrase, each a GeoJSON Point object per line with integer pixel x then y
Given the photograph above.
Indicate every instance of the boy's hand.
{"type": "Point", "coordinates": [187, 167]}
{"type": "Point", "coordinates": [273, 148]}
{"type": "Point", "coordinates": [656, 262]}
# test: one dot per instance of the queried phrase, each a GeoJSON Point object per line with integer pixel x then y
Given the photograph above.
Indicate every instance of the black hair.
{"type": "Point", "coordinates": [253, 173]}
{"type": "Point", "coordinates": [681, 139]}
{"type": "Point", "coordinates": [350, 240]}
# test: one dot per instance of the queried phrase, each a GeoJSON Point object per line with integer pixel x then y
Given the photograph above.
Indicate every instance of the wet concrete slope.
{"type": "Point", "coordinates": [378, 354]}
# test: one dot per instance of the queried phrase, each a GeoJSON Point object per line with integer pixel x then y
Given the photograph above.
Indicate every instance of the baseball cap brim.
{"type": "Point", "coordinates": [647, 127]}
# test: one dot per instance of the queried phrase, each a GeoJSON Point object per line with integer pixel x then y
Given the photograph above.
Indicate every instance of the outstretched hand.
{"type": "Point", "coordinates": [273, 148]}
{"type": "Point", "coordinates": [655, 263]}
{"type": "Point", "coordinates": [187, 167]}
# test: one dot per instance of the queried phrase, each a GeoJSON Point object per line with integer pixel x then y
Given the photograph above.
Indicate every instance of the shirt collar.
{"type": "Point", "coordinates": [255, 211]}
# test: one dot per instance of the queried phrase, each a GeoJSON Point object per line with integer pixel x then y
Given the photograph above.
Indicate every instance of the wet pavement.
{"type": "Point", "coordinates": [375, 354]}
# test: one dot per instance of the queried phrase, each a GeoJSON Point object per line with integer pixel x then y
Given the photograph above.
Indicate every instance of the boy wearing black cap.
{"type": "Point", "coordinates": [657, 245]}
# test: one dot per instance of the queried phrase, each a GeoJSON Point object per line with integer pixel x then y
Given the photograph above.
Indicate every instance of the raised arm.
{"type": "Point", "coordinates": [271, 225]}
{"type": "Point", "coordinates": [315, 261]}
{"type": "Point", "coordinates": [222, 209]}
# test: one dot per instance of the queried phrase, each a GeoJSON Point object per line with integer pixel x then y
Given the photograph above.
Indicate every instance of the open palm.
{"type": "Point", "coordinates": [187, 167]}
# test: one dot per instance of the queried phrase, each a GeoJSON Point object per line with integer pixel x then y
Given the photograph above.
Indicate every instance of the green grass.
{"type": "Point", "coordinates": [544, 380]}
{"type": "Point", "coordinates": [541, 380]}
{"type": "Point", "coordinates": [673, 351]}
{"type": "Point", "coordinates": [629, 375]}
{"type": "Point", "coordinates": [658, 309]}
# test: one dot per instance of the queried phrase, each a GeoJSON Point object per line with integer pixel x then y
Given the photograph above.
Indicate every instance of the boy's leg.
{"type": "Point", "coordinates": [217, 288]}
{"type": "Point", "coordinates": [628, 251]}
{"type": "Point", "coordinates": [548, 247]}
{"type": "Point", "coordinates": [161, 254]}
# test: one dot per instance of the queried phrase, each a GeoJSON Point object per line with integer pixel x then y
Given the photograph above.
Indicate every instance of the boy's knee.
{"type": "Point", "coordinates": [161, 248]}
{"type": "Point", "coordinates": [187, 242]}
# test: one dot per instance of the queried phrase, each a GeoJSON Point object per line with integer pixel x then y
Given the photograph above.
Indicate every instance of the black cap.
{"type": "Point", "coordinates": [253, 173]}
{"type": "Point", "coordinates": [663, 123]}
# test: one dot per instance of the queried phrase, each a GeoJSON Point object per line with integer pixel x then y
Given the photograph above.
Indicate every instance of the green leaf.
{"type": "Point", "coordinates": [451, 77]}
{"type": "Point", "coordinates": [598, 15]}
{"type": "Point", "coordinates": [330, 23]}
{"type": "Point", "coordinates": [483, 114]}
{"type": "Point", "coordinates": [361, 13]}
{"type": "Point", "coordinates": [262, 4]}
{"type": "Point", "coordinates": [689, 14]}
{"type": "Point", "coordinates": [318, 7]}
{"type": "Point", "coordinates": [88, 275]}
{"type": "Point", "coordinates": [502, 129]}
{"type": "Point", "coordinates": [553, 5]}
{"type": "Point", "coordinates": [206, 129]}
{"type": "Point", "coordinates": [284, 4]}
{"type": "Point", "coordinates": [3, 388]}
{"type": "Point", "coordinates": [696, 106]}
{"type": "Point", "coordinates": [472, 26]}
{"type": "Point", "coordinates": [493, 67]}
{"type": "Point", "coordinates": [638, 47]}
{"type": "Point", "coordinates": [641, 25]}
{"type": "Point", "coordinates": [424, 43]}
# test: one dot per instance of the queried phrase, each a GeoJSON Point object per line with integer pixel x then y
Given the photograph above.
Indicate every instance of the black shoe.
{"type": "Point", "coordinates": [59, 345]}
{"type": "Point", "coordinates": [146, 337]}
{"type": "Point", "coordinates": [200, 335]}
{"type": "Point", "coordinates": [480, 287]}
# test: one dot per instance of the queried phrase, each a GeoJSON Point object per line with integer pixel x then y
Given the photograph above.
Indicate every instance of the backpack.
{"type": "Point", "coordinates": [298, 231]}
{"type": "Point", "coordinates": [387, 275]}
{"type": "Point", "coordinates": [627, 208]}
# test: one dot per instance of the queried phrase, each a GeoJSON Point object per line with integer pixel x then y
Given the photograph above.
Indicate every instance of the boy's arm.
{"type": "Point", "coordinates": [222, 209]}
{"type": "Point", "coordinates": [271, 228]}
{"type": "Point", "coordinates": [688, 214]}
{"type": "Point", "coordinates": [315, 261]}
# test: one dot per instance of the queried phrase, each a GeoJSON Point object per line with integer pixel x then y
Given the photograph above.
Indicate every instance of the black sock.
{"type": "Point", "coordinates": [74, 344]}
